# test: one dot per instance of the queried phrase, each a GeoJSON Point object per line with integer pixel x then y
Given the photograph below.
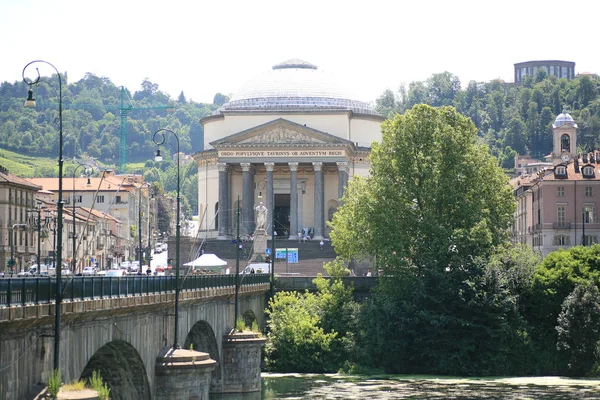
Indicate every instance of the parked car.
{"type": "Point", "coordinates": [24, 273]}
{"type": "Point", "coordinates": [66, 271]}
{"type": "Point", "coordinates": [89, 271]}
{"type": "Point", "coordinates": [115, 273]}
{"type": "Point", "coordinates": [134, 266]}
{"type": "Point", "coordinates": [33, 270]}
{"type": "Point", "coordinates": [125, 265]}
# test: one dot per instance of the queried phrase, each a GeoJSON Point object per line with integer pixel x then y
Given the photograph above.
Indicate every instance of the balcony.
{"type": "Point", "coordinates": [561, 225]}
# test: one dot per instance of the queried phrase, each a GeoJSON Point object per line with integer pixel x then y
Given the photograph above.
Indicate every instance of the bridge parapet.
{"type": "Point", "coordinates": [82, 294]}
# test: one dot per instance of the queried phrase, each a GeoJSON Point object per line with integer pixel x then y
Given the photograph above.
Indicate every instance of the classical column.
{"type": "Point", "coordinates": [342, 178]}
{"type": "Point", "coordinates": [319, 201]}
{"type": "Point", "coordinates": [247, 199]}
{"type": "Point", "coordinates": [223, 200]}
{"type": "Point", "coordinates": [270, 198]}
{"type": "Point", "coordinates": [293, 200]}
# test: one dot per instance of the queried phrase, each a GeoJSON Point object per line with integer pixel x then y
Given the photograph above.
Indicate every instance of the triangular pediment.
{"type": "Point", "coordinates": [279, 131]}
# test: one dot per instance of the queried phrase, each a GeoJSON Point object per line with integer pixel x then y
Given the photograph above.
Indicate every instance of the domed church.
{"type": "Point", "coordinates": [290, 138]}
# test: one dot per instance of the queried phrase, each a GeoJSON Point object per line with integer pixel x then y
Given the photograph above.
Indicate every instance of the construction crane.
{"type": "Point", "coordinates": [126, 106]}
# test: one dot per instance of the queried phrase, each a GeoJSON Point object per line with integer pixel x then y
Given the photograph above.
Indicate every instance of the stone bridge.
{"type": "Point", "coordinates": [122, 334]}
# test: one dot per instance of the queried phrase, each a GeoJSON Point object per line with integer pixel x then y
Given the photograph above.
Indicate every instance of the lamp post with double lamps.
{"type": "Point", "coordinates": [87, 171]}
{"type": "Point", "coordinates": [139, 230]}
{"type": "Point", "coordinates": [37, 223]}
{"type": "Point", "coordinates": [161, 140]}
{"type": "Point", "coordinates": [30, 102]}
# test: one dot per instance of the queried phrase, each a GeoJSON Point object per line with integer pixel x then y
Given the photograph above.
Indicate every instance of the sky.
{"type": "Point", "coordinates": [215, 46]}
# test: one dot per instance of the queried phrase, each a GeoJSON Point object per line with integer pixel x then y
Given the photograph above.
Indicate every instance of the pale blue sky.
{"type": "Point", "coordinates": [209, 46]}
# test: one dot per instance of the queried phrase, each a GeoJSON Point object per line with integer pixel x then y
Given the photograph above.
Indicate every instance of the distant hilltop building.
{"type": "Point", "coordinates": [558, 68]}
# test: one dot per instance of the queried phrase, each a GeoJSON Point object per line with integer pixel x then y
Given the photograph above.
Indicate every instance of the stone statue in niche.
{"type": "Point", "coordinates": [331, 212]}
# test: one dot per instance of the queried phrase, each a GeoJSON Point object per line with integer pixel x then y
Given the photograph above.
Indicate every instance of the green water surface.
{"type": "Point", "coordinates": [350, 387]}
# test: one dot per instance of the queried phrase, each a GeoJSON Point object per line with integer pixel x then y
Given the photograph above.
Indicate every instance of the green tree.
{"type": "Point", "coordinates": [579, 329]}
{"type": "Point", "coordinates": [295, 342]}
{"type": "Point", "coordinates": [558, 275]}
{"type": "Point", "coordinates": [220, 99]}
{"type": "Point", "coordinates": [386, 104]}
{"type": "Point", "coordinates": [425, 195]}
{"type": "Point", "coordinates": [313, 332]}
{"type": "Point", "coordinates": [429, 218]}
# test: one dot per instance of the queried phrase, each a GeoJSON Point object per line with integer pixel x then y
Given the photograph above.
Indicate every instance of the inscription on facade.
{"type": "Point", "coordinates": [282, 153]}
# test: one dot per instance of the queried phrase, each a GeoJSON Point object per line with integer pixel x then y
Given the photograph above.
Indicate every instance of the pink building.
{"type": "Point", "coordinates": [556, 207]}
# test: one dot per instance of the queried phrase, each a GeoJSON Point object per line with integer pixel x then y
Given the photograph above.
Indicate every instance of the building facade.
{"type": "Point", "coordinates": [18, 237]}
{"type": "Point", "coordinates": [556, 207]}
{"type": "Point", "coordinates": [118, 201]}
{"type": "Point", "coordinates": [558, 68]}
{"type": "Point", "coordinates": [290, 138]}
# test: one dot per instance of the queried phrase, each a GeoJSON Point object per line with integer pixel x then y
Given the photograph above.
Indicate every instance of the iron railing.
{"type": "Point", "coordinates": [22, 291]}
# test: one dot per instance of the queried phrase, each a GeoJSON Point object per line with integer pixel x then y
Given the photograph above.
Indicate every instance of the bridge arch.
{"type": "Point", "coordinates": [122, 369]}
{"type": "Point", "coordinates": [202, 337]}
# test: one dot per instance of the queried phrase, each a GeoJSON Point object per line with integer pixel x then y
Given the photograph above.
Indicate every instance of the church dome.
{"type": "Point", "coordinates": [295, 85]}
{"type": "Point", "coordinates": [562, 119]}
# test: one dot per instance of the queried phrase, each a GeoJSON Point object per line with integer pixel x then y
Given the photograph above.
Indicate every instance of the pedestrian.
{"type": "Point", "coordinates": [369, 273]}
{"type": "Point", "coordinates": [227, 271]}
{"type": "Point", "coordinates": [321, 243]}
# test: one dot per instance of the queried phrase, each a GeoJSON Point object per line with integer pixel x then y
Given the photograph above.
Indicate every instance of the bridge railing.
{"type": "Point", "coordinates": [40, 290]}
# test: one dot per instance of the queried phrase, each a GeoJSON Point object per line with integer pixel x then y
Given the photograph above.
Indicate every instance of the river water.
{"type": "Point", "coordinates": [334, 386]}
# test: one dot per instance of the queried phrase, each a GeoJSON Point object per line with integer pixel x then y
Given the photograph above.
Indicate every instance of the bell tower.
{"type": "Point", "coordinates": [564, 136]}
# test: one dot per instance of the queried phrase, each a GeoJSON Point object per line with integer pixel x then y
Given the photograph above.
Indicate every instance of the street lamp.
{"type": "Point", "coordinates": [158, 157]}
{"type": "Point", "coordinates": [140, 256]}
{"type": "Point", "coordinates": [88, 170]}
{"type": "Point", "coordinates": [38, 224]}
{"type": "Point", "coordinates": [11, 243]}
{"type": "Point", "coordinates": [30, 102]}
{"type": "Point", "coordinates": [50, 223]}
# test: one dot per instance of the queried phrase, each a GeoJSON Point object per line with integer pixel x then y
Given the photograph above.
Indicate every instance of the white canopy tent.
{"type": "Point", "coordinates": [210, 261]}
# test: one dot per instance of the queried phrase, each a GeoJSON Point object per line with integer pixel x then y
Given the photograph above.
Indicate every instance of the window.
{"type": "Point", "coordinates": [561, 214]}
{"type": "Point", "coordinates": [560, 192]}
{"type": "Point", "coordinates": [588, 170]}
{"type": "Point", "coordinates": [589, 213]}
{"type": "Point", "coordinates": [589, 240]}
{"type": "Point", "coordinates": [565, 143]}
{"type": "Point", "coordinates": [588, 191]}
{"type": "Point", "coordinates": [118, 200]}
{"type": "Point", "coordinates": [100, 199]}
{"type": "Point", "coordinates": [561, 240]}
{"type": "Point", "coordinates": [560, 170]}
{"type": "Point", "coordinates": [79, 199]}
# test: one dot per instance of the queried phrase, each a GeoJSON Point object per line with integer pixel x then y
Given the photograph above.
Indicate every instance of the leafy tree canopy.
{"type": "Point", "coordinates": [434, 194]}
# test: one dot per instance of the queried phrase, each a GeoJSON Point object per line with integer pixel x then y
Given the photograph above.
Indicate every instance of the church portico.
{"type": "Point", "coordinates": [297, 167]}
{"type": "Point", "coordinates": [272, 183]}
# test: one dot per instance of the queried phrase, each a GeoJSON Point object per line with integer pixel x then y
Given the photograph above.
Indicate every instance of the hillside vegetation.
{"type": "Point", "coordinates": [92, 127]}
{"type": "Point", "coordinates": [511, 119]}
